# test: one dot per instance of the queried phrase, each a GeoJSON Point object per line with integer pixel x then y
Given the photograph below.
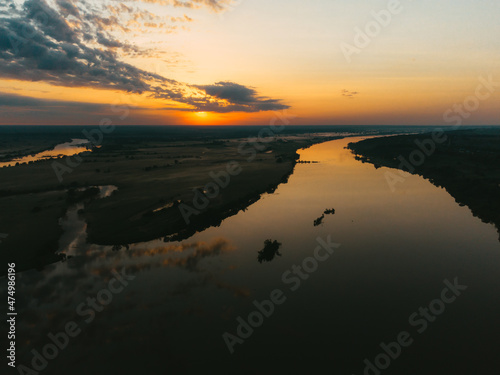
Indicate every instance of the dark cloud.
{"type": "Point", "coordinates": [53, 24]}
{"type": "Point", "coordinates": [231, 91]}
{"type": "Point", "coordinates": [38, 45]}
{"type": "Point", "coordinates": [236, 97]}
{"type": "Point", "coordinates": [71, 46]}
{"type": "Point", "coordinates": [67, 8]}
{"type": "Point", "coordinates": [24, 110]}
{"type": "Point", "coordinates": [19, 101]}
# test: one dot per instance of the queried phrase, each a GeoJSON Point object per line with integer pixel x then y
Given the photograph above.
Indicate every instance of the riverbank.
{"type": "Point", "coordinates": [466, 164]}
{"type": "Point", "coordinates": [188, 188]}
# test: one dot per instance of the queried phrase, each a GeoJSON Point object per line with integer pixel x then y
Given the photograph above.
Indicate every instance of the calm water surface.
{"type": "Point", "coordinates": [396, 249]}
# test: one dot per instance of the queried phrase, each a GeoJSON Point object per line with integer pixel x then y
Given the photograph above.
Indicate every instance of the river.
{"type": "Point", "coordinates": [75, 147]}
{"type": "Point", "coordinates": [389, 254]}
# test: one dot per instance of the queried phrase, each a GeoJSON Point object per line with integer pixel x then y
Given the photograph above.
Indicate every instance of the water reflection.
{"type": "Point", "coordinates": [51, 301]}
{"type": "Point", "coordinates": [320, 219]}
{"type": "Point", "coordinates": [74, 227]}
{"type": "Point", "coordinates": [270, 250]}
{"type": "Point", "coordinates": [76, 146]}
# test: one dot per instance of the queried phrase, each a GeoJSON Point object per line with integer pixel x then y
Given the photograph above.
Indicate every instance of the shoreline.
{"type": "Point", "coordinates": [257, 178]}
{"type": "Point", "coordinates": [465, 165]}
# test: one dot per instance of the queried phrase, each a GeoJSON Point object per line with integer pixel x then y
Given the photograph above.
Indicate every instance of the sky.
{"type": "Point", "coordinates": [230, 62]}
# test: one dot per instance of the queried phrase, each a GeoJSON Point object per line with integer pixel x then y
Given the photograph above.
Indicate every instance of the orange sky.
{"type": "Point", "coordinates": [241, 62]}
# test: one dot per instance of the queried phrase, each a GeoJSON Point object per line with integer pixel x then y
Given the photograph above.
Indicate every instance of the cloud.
{"type": "Point", "coordinates": [349, 94]}
{"type": "Point", "coordinates": [19, 101]}
{"type": "Point", "coordinates": [24, 110]}
{"type": "Point", "coordinates": [72, 44]}
{"type": "Point", "coordinates": [235, 97]}
{"type": "Point", "coordinates": [39, 45]}
{"type": "Point", "coordinates": [214, 5]}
